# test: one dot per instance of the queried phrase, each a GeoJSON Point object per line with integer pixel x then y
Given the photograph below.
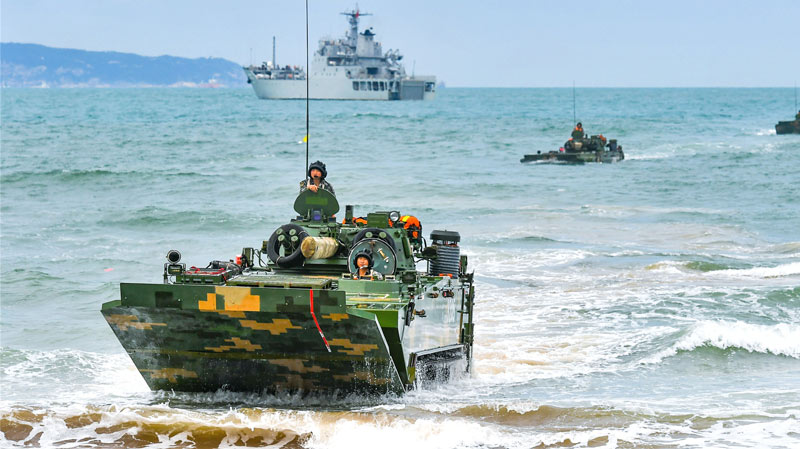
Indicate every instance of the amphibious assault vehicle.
{"type": "Point", "coordinates": [789, 127]}
{"type": "Point", "coordinates": [580, 150]}
{"type": "Point", "coordinates": [301, 320]}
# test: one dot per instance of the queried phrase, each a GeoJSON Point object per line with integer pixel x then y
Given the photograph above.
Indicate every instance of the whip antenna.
{"type": "Point", "coordinates": [308, 75]}
{"type": "Point", "coordinates": [573, 104]}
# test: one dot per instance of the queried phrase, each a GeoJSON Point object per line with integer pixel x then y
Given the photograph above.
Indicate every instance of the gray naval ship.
{"type": "Point", "coordinates": [352, 68]}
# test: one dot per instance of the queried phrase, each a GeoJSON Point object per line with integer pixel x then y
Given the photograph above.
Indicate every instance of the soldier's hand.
{"type": "Point", "coordinates": [313, 188]}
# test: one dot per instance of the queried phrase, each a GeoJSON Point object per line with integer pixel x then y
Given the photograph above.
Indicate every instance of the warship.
{"type": "Point", "coordinates": [350, 68]}
{"type": "Point", "coordinates": [295, 316]}
{"type": "Point", "coordinates": [789, 127]}
{"type": "Point", "coordinates": [581, 149]}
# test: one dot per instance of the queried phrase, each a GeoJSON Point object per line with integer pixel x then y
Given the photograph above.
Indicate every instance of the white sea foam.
{"type": "Point", "coordinates": [766, 434]}
{"type": "Point", "coordinates": [70, 375]}
{"type": "Point", "coordinates": [779, 271]}
{"type": "Point", "coordinates": [779, 339]}
{"type": "Point", "coordinates": [789, 269]}
{"type": "Point", "coordinates": [648, 156]}
{"type": "Point", "coordinates": [509, 263]}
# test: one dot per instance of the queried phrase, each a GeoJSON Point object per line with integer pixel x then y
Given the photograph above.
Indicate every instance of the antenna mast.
{"type": "Point", "coordinates": [308, 75]}
{"type": "Point", "coordinates": [574, 121]}
{"type": "Point", "coordinates": [274, 62]}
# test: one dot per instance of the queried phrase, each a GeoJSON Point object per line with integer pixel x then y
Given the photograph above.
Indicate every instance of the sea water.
{"type": "Point", "coordinates": [649, 303]}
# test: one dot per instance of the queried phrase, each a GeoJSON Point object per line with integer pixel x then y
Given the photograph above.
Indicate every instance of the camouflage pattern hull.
{"type": "Point", "coordinates": [216, 341]}
{"type": "Point", "coordinates": [577, 157]}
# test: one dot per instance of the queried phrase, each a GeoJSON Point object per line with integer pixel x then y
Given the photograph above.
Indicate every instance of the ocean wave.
{"type": "Point", "coordinates": [68, 374]}
{"type": "Point", "coordinates": [789, 269]}
{"type": "Point", "coordinates": [517, 235]}
{"type": "Point", "coordinates": [156, 216]}
{"type": "Point", "coordinates": [157, 426]}
{"type": "Point", "coordinates": [513, 426]}
{"type": "Point", "coordinates": [790, 248]}
{"type": "Point", "coordinates": [780, 339]}
{"type": "Point", "coordinates": [92, 175]}
{"type": "Point", "coordinates": [726, 270]}
{"type": "Point", "coordinates": [521, 265]}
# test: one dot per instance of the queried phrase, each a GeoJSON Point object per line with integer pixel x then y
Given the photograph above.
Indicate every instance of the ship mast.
{"type": "Point", "coordinates": [353, 16]}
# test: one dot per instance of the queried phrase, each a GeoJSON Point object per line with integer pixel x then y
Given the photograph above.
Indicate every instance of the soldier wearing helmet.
{"type": "Point", "coordinates": [316, 179]}
{"type": "Point", "coordinates": [578, 133]}
{"type": "Point", "coordinates": [364, 269]}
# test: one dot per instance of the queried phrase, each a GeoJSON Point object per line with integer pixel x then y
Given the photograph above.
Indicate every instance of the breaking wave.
{"type": "Point", "coordinates": [725, 270]}
{"type": "Point", "coordinates": [789, 269]}
{"type": "Point", "coordinates": [156, 426]}
{"type": "Point", "coordinates": [521, 425]}
{"type": "Point", "coordinates": [781, 339]}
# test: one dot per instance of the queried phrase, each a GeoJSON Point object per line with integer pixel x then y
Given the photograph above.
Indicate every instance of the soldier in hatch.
{"type": "Point", "coordinates": [316, 179]}
{"type": "Point", "coordinates": [364, 268]}
{"type": "Point", "coordinates": [578, 133]}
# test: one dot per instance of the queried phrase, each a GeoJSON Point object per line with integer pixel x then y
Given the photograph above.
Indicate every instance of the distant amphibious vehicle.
{"type": "Point", "coordinates": [580, 148]}
{"type": "Point", "coordinates": [789, 127]}
{"type": "Point", "coordinates": [304, 321]}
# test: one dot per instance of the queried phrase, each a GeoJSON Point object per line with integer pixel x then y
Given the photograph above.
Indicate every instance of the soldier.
{"type": "Point", "coordinates": [578, 133]}
{"type": "Point", "coordinates": [364, 267]}
{"type": "Point", "coordinates": [316, 179]}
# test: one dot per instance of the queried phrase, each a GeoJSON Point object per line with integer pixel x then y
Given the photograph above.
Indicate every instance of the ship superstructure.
{"type": "Point", "coordinates": [350, 68]}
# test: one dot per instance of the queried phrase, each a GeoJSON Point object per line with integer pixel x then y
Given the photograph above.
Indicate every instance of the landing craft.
{"type": "Point", "coordinates": [301, 321]}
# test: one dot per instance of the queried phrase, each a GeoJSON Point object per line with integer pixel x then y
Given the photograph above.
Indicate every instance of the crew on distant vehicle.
{"type": "Point", "coordinates": [316, 179]}
{"type": "Point", "coordinates": [578, 133]}
{"type": "Point", "coordinates": [364, 268]}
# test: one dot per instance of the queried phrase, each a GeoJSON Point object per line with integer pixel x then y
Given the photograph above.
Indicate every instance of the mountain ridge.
{"type": "Point", "coordinates": [35, 65]}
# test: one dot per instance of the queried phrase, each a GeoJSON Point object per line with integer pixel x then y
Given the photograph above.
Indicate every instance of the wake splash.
{"type": "Point", "coordinates": [156, 427]}
{"type": "Point", "coordinates": [781, 339]}
{"type": "Point", "coordinates": [516, 425]}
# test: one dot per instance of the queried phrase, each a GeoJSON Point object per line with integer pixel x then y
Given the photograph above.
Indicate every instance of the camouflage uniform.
{"type": "Point", "coordinates": [323, 184]}
{"type": "Point", "coordinates": [375, 275]}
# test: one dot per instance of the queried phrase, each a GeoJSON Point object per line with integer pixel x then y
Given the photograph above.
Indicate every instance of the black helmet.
{"type": "Point", "coordinates": [365, 253]}
{"type": "Point", "coordinates": [579, 124]}
{"type": "Point", "coordinates": [319, 166]}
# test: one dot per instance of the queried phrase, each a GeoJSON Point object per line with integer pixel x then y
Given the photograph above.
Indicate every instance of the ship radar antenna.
{"type": "Point", "coordinates": [353, 17]}
{"type": "Point", "coordinates": [308, 75]}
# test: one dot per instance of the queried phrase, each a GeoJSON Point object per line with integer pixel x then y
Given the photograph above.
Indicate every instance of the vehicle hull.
{"type": "Point", "coordinates": [788, 127]}
{"type": "Point", "coordinates": [193, 350]}
{"type": "Point", "coordinates": [605, 157]}
{"type": "Point", "coordinates": [337, 86]}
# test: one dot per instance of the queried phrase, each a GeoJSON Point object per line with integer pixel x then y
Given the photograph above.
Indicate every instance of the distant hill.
{"type": "Point", "coordinates": [32, 65]}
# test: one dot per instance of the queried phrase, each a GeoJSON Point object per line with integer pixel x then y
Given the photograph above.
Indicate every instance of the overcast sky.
{"type": "Point", "coordinates": [499, 43]}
